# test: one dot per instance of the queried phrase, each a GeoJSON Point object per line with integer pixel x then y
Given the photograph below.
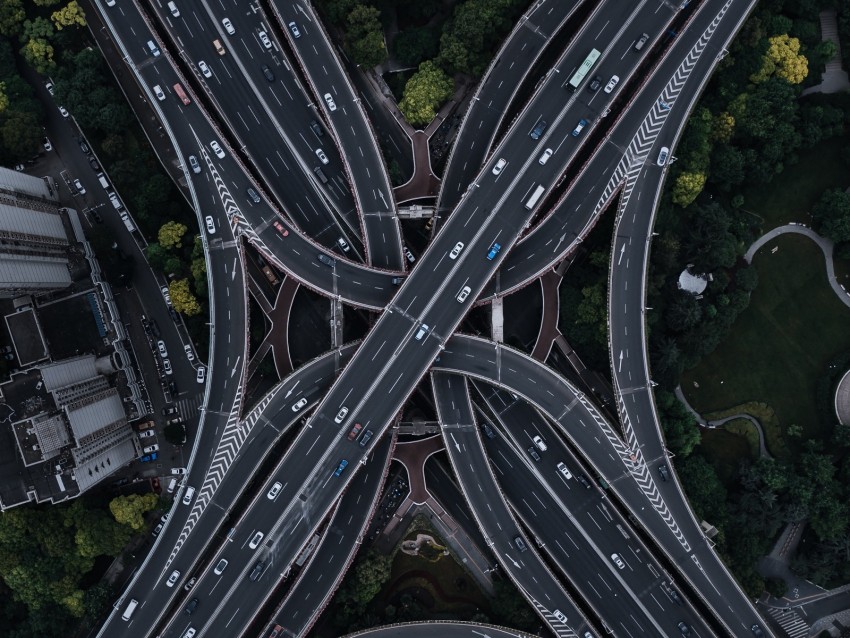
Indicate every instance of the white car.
{"type": "Point", "coordinates": [205, 69]}
{"type": "Point", "coordinates": [228, 25]}
{"type": "Point", "coordinates": [663, 155]}
{"type": "Point", "coordinates": [611, 83]}
{"type": "Point", "coordinates": [188, 350]}
{"type": "Point", "coordinates": [222, 565]}
{"type": "Point", "coordinates": [47, 145]}
{"type": "Point", "coordinates": [166, 365]}
{"type": "Point", "coordinates": [264, 38]}
{"type": "Point", "coordinates": [165, 295]}
{"type": "Point", "coordinates": [456, 250]}
{"type": "Point", "coordinates": [162, 350]}
{"type": "Point", "coordinates": [300, 404]}
{"type": "Point", "coordinates": [216, 147]}
{"type": "Point", "coordinates": [193, 162]}
{"type": "Point", "coordinates": [546, 155]}
{"type": "Point", "coordinates": [256, 540]}
{"type": "Point", "coordinates": [499, 166]}
{"type": "Point", "coordinates": [322, 157]}
{"type": "Point", "coordinates": [274, 491]}
{"type": "Point", "coordinates": [343, 412]}
{"type": "Point", "coordinates": [563, 469]}
{"type": "Point", "coordinates": [294, 28]}
{"type": "Point", "coordinates": [150, 449]}
{"type": "Point", "coordinates": [201, 376]}
{"type": "Point", "coordinates": [49, 87]}
{"type": "Point", "coordinates": [539, 443]}
{"type": "Point", "coordinates": [330, 102]}
{"type": "Point", "coordinates": [210, 224]}
{"type": "Point", "coordinates": [618, 561]}
{"type": "Point", "coordinates": [147, 434]}
{"type": "Point", "coordinates": [464, 293]}
{"type": "Point", "coordinates": [408, 255]}
{"type": "Point", "coordinates": [173, 578]}
{"type": "Point", "coordinates": [178, 471]}
{"type": "Point", "coordinates": [79, 186]}
{"type": "Point", "coordinates": [63, 111]}
{"type": "Point", "coordinates": [160, 94]}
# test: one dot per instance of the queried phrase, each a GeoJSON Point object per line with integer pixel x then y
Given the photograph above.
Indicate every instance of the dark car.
{"type": "Point", "coordinates": [93, 163]}
{"type": "Point", "coordinates": [258, 570]}
{"type": "Point", "coordinates": [491, 434]}
{"type": "Point", "coordinates": [316, 127]}
{"type": "Point", "coordinates": [520, 544]}
{"type": "Point", "coordinates": [532, 451]}
{"type": "Point", "coordinates": [192, 606]}
{"type": "Point", "coordinates": [84, 147]}
{"type": "Point", "coordinates": [757, 631]}
{"type": "Point", "coordinates": [538, 129]}
{"type": "Point", "coordinates": [664, 472]}
{"type": "Point", "coordinates": [683, 627]}
{"type": "Point", "coordinates": [582, 478]}
{"type": "Point", "coordinates": [595, 83]}
{"type": "Point", "coordinates": [252, 195]}
{"type": "Point", "coordinates": [327, 261]}
{"type": "Point", "coordinates": [367, 436]}
{"type": "Point", "coordinates": [268, 73]}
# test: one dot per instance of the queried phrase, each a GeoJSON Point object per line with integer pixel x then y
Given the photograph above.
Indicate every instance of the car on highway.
{"type": "Point", "coordinates": [316, 128]}
{"type": "Point", "coordinates": [191, 607]}
{"type": "Point", "coordinates": [220, 567]}
{"type": "Point", "coordinates": [322, 157]}
{"type": "Point", "coordinates": [216, 147]}
{"type": "Point", "coordinates": [582, 478]}
{"type": "Point", "coordinates": [343, 412]}
{"type": "Point", "coordinates": [258, 570]}
{"type": "Point", "coordinates": [64, 111]}
{"type": "Point", "coordinates": [329, 100]}
{"type": "Point", "coordinates": [494, 250]}
{"type": "Point", "coordinates": [190, 633]}
{"type": "Point", "coordinates": [210, 222]}
{"type": "Point", "coordinates": [173, 578]}
{"type": "Point", "coordinates": [618, 561]}
{"type": "Point", "coordinates": [488, 430]}
{"type": "Point", "coordinates": [355, 431]}
{"type": "Point", "coordinates": [538, 129]}
{"type": "Point", "coordinates": [268, 73]}
{"type": "Point", "coordinates": [456, 250]}
{"type": "Point", "coordinates": [520, 544]}
{"type": "Point", "coordinates": [343, 245]}
{"type": "Point", "coordinates": [190, 356]}
{"type": "Point", "coordinates": [256, 540]}
{"type": "Point", "coordinates": [560, 616]}
{"type": "Point", "coordinates": [205, 69]}
{"type": "Point", "coordinates": [264, 38]}
{"type": "Point", "coordinates": [190, 584]}
{"type": "Point", "coordinates": [497, 169]}
{"type": "Point", "coordinates": [276, 632]}
{"type": "Point", "coordinates": [274, 491]}
{"type": "Point", "coordinates": [595, 83]}
{"type": "Point", "coordinates": [158, 92]}
{"type": "Point", "coordinates": [193, 162]}
{"type": "Point", "coordinates": [532, 451]}
{"type": "Point", "coordinates": [683, 628]}
{"type": "Point", "coordinates": [664, 472]}
{"type": "Point", "coordinates": [615, 79]}
{"type": "Point", "coordinates": [579, 127]}
{"type": "Point", "coordinates": [300, 404]}
{"type": "Point", "coordinates": [407, 254]}
{"type": "Point", "coordinates": [757, 631]}
{"type": "Point", "coordinates": [545, 157]}
{"type": "Point", "coordinates": [294, 28]}
{"type": "Point", "coordinates": [663, 155]}
{"type": "Point", "coordinates": [280, 229]}
{"type": "Point", "coordinates": [539, 443]}
{"type": "Point", "coordinates": [367, 436]}
{"type": "Point", "coordinates": [463, 294]}
{"type": "Point", "coordinates": [228, 26]}
{"type": "Point", "coordinates": [423, 330]}
{"type": "Point", "coordinates": [341, 467]}
{"type": "Point", "coordinates": [201, 374]}
{"type": "Point", "coordinates": [327, 261]}
{"type": "Point", "coordinates": [563, 469]}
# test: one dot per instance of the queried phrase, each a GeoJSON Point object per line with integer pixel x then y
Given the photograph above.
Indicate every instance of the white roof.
{"type": "Point", "coordinates": [68, 372]}
{"type": "Point", "coordinates": [692, 283]}
{"type": "Point", "coordinates": [90, 417]}
{"type": "Point", "coordinates": [35, 223]}
{"type": "Point", "coordinates": [33, 271]}
{"type": "Point", "coordinates": [27, 184]}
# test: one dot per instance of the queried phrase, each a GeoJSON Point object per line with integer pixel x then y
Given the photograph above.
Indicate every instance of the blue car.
{"type": "Point", "coordinates": [581, 124]}
{"type": "Point", "coordinates": [494, 250]}
{"type": "Point", "coordinates": [153, 456]}
{"type": "Point", "coordinates": [342, 465]}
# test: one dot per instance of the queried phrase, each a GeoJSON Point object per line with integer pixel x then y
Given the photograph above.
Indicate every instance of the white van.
{"type": "Point", "coordinates": [172, 484]}
{"type": "Point", "coordinates": [189, 495]}
{"type": "Point", "coordinates": [102, 179]}
{"type": "Point", "coordinates": [174, 10]}
{"type": "Point", "coordinates": [116, 203]}
{"type": "Point", "coordinates": [423, 330]}
{"type": "Point", "coordinates": [131, 608]}
{"type": "Point", "coordinates": [153, 48]}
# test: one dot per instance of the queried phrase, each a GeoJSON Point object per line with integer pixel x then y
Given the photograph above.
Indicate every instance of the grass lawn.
{"type": "Point", "coordinates": [780, 345]}
{"type": "Point", "coordinates": [791, 195]}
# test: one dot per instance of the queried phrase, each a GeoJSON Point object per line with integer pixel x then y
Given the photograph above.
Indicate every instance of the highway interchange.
{"type": "Point", "coordinates": [269, 144]}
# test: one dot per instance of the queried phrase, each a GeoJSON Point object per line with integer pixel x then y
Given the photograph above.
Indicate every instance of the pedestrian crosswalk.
{"type": "Point", "coordinates": [188, 407]}
{"type": "Point", "coordinates": [791, 623]}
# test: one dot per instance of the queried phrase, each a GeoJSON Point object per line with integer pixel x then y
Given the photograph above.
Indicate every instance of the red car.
{"type": "Point", "coordinates": [276, 631]}
{"type": "Point", "coordinates": [354, 431]}
{"type": "Point", "coordinates": [281, 229]}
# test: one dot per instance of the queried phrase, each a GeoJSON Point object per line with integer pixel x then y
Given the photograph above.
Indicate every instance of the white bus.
{"type": "Point", "coordinates": [535, 197]}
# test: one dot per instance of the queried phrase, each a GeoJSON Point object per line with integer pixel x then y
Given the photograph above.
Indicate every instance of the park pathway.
{"type": "Point", "coordinates": [834, 78]}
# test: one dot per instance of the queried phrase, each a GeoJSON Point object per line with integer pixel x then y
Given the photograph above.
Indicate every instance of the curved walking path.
{"type": "Point", "coordinates": [825, 245]}
{"type": "Point", "coordinates": [720, 422]}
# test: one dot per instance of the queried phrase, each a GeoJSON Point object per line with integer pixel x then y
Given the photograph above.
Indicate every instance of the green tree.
{"type": "Point", "coordinates": [424, 93]}
{"type": "Point", "coordinates": [130, 510]}
{"type": "Point", "coordinates": [832, 212]}
{"type": "Point", "coordinates": [37, 28]}
{"type": "Point", "coordinates": [182, 299]}
{"type": "Point", "coordinates": [12, 16]}
{"type": "Point", "coordinates": [370, 574]}
{"type": "Point", "coordinates": [414, 46]}
{"type": "Point", "coordinates": [39, 53]}
{"type": "Point", "coordinates": [156, 256]}
{"type": "Point", "coordinates": [171, 234]}
{"type": "Point", "coordinates": [747, 278]}
{"type": "Point", "coordinates": [680, 428]}
{"type": "Point", "coordinates": [784, 60]}
{"type": "Point", "coordinates": [71, 15]}
{"type": "Point", "coordinates": [686, 188]}
{"type": "Point", "coordinates": [365, 36]}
